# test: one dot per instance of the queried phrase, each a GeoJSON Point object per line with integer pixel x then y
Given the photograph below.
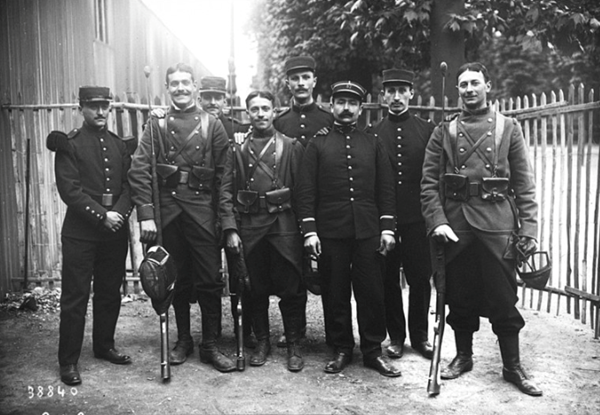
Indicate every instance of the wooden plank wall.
{"type": "Point", "coordinates": [48, 50]}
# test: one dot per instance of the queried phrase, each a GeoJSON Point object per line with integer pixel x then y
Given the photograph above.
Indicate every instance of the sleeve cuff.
{"type": "Point", "coordinates": [308, 226]}
{"type": "Point", "coordinates": [387, 223]}
{"type": "Point", "coordinates": [145, 212]}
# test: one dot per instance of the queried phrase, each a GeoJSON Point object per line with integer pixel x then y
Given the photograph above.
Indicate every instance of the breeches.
{"type": "Point", "coordinates": [481, 284]}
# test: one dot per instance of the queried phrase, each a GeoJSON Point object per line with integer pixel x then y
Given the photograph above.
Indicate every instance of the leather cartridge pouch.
{"type": "Point", "coordinates": [167, 175]}
{"type": "Point", "coordinates": [279, 200]}
{"type": "Point", "coordinates": [201, 178]}
{"type": "Point", "coordinates": [456, 186]}
{"type": "Point", "coordinates": [494, 189]}
{"type": "Point", "coordinates": [248, 200]}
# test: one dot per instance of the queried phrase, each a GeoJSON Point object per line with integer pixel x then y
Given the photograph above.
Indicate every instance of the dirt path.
{"type": "Point", "coordinates": [559, 352]}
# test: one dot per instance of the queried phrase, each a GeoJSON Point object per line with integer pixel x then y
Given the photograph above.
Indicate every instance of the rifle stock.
{"type": "Point", "coordinates": [433, 384]}
{"type": "Point", "coordinates": [165, 363]}
{"type": "Point", "coordinates": [239, 274]}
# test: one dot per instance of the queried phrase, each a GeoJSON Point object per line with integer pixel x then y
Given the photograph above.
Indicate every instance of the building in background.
{"type": "Point", "coordinates": [48, 49]}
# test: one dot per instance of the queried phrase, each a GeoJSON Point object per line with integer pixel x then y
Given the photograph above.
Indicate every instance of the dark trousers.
{"type": "Point", "coordinates": [105, 261]}
{"type": "Point", "coordinates": [197, 257]}
{"type": "Point", "coordinates": [479, 285]}
{"type": "Point", "coordinates": [271, 273]}
{"type": "Point", "coordinates": [412, 253]}
{"type": "Point", "coordinates": [353, 265]}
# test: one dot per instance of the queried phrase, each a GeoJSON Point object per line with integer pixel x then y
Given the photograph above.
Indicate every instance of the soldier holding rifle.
{"type": "Point", "coordinates": [194, 169]}
{"type": "Point", "coordinates": [478, 198]}
{"type": "Point", "coordinates": [266, 169]}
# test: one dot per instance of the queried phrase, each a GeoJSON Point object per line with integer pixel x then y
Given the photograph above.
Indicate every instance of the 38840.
{"type": "Point", "coordinates": [50, 391]}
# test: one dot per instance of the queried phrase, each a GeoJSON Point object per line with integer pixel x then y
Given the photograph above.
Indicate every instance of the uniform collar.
{"type": "Point", "coordinates": [399, 117]}
{"type": "Point", "coordinates": [303, 108]}
{"type": "Point", "coordinates": [481, 111]}
{"type": "Point", "coordinates": [344, 129]}
{"type": "Point", "coordinates": [191, 108]}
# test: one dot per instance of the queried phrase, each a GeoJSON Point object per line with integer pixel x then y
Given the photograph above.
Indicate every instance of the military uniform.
{"type": "Point", "coordinates": [269, 230]}
{"type": "Point", "coordinates": [194, 168]}
{"type": "Point", "coordinates": [346, 196]}
{"type": "Point", "coordinates": [303, 122]}
{"type": "Point", "coordinates": [485, 216]}
{"type": "Point", "coordinates": [91, 178]}
{"type": "Point", "coordinates": [405, 137]}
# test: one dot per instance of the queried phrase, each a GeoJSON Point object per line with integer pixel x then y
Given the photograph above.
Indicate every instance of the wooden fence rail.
{"type": "Point", "coordinates": [564, 149]}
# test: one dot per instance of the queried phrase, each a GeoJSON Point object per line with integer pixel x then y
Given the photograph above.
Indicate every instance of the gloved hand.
{"type": "Point", "coordinates": [525, 247]}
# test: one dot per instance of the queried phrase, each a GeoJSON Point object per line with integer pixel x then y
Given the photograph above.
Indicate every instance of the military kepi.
{"type": "Point", "coordinates": [298, 63]}
{"type": "Point", "coordinates": [213, 84]}
{"type": "Point", "coordinates": [348, 87]}
{"type": "Point", "coordinates": [94, 94]}
{"type": "Point", "coordinates": [398, 76]}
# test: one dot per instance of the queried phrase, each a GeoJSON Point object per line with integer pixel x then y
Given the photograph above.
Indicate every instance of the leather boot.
{"type": "Point", "coordinates": [259, 357]}
{"type": "Point", "coordinates": [209, 353]}
{"type": "Point", "coordinates": [260, 324]}
{"type": "Point", "coordinates": [185, 344]}
{"type": "Point", "coordinates": [512, 370]}
{"type": "Point", "coordinates": [292, 326]}
{"type": "Point", "coordinates": [463, 361]}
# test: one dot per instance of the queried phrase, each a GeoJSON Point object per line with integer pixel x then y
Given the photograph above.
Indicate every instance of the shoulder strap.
{"type": "Point", "coordinates": [204, 119]}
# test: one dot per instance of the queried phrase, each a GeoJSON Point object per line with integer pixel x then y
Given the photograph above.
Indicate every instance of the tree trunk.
{"type": "Point", "coordinates": [446, 46]}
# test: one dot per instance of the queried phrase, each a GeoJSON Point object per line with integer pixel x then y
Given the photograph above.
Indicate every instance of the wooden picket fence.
{"type": "Point", "coordinates": [560, 131]}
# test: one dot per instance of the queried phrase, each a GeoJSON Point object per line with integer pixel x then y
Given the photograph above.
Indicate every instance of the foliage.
{"type": "Point", "coordinates": [358, 38]}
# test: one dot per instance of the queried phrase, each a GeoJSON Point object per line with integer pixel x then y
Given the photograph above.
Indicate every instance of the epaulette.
{"type": "Point", "coordinates": [131, 143]}
{"type": "Point", "coordinates": [114, 135]}
{"type": "Point", "coordinates": [282, 113]}
{"type": "Point", "coordinates": [319, 106]}
{"type": "Point", "coordinates": [73, 133]}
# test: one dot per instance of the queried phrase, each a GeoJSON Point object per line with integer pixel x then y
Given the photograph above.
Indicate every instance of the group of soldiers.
{"type": "Point", "coordinates": [306, 181]}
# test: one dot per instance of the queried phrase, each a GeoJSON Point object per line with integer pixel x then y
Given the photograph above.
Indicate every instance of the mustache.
{"type": "Point", "coordinates": [348, 113]}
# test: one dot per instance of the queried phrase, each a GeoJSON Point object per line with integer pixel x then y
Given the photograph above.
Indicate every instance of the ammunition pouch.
{"type": "Point", "coordinates": [167, 175]}
{"type": "Point", "coordinates": [246, 200]}
{"type": "Point", "coordinates": [494, 189]}
{"type": "Point", "coordinates": [201, 178]}
{"type": "Point", "coordinates": [279, 200]}
{"type": "Point", "coordinates": [456, 186]}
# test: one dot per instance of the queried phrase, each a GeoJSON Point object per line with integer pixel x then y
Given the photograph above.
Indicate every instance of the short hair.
{"type": "Point", "coordinates": [262, 94]}
{"type": "Point", "coordinates": [475, 67]}
{"type": "Point", "coordinates": [181, 67]}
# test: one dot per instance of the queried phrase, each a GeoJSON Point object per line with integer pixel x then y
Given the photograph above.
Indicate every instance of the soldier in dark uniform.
{"type": "Point", "coordinates": [91, 176]}
{"type": "Point", "coordinates": [213, 100]}
{"type": "Point", "coordinates": [194, 169]}
{"type": "Point", "coordinates": [478, 198]}
{"type": "Point", "coordinates": [267, 163]}
{"type": "Point", "coordinates": [346, 205]}
{"type": "Point", "coordinates": [405, 137]}
{"type": "Point", "coordinates": [304, 117]}
{"type": "Point", "coordinates": [302, 120]}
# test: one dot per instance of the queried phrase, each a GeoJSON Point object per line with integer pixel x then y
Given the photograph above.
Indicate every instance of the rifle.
{"type": "Point", "coordinates": [238, 282]}
{"type": "Point", "coordinates": [439, 278]}
{"type": "Point", "coordinates": [157, 271]}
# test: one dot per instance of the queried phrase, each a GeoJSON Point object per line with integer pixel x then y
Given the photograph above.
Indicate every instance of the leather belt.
{"type": "Point", "coordinates": [106, 199]}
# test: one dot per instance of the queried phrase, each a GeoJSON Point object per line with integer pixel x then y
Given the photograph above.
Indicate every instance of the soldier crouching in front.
{"type": "Point", "coordinates": [266, 168]}
{"type": "Point", "coordinates": [194, 173]}
{"type": "Point", "coordinates": [91, 176]}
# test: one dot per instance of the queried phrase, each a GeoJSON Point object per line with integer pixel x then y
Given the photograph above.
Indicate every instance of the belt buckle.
{"type": "Point", "coordinates": [107, 199]}
{"type": "Point", "coordinates": [183, 177]}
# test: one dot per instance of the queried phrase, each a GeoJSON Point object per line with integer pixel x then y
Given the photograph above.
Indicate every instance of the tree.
{"type": "Point", "coordinates": [359, 38]}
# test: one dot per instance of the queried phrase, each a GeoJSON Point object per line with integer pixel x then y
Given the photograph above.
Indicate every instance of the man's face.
{"type": "Point", "coordinates": [260, 111]}
{"type": "Point", "coordinates": [95, 113]}
{"type": "Point", "coordinates": [397, 96]}
{"type": "Point", "coordinates": [473, 89]}
{"type": "Point", "coordinates": [345, 108]}
{"type": "Point", "coordinates": [181, 89]}
{"type": "Point", "coordinates": [301, 84]}
{"type": "Point", "coordinates": [213, 102]}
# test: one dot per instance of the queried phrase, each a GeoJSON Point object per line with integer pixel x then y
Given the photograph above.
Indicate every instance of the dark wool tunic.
{"type": "Point", "coordinates": [302, 123]}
